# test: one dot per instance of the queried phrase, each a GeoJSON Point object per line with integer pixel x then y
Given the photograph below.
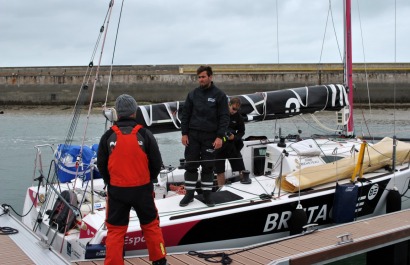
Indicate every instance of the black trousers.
{"type": "Point", "coordinates": [200, 151]}
{"type": "Point", "coordinates": [230, 150]}
{"type": "Point", "coordinates": [121, 199]}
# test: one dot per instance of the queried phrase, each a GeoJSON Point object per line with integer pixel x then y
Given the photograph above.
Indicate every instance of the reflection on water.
{"type": "Point", "coordinates": [21, 131]}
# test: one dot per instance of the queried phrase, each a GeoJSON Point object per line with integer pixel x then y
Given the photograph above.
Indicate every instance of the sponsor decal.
{"type": "Point", "coordinates": [100, 254]}
{"type": "Point", "coordinates": [87, 231]}
{"type": "Point", "coordinates": [279, 221]}
{"type": "Point", "coordinates": [373, 192]}
{"type": "Point", "coordinates": [131, 240]}
{"type": "Point", "coordinates": [32, 195]}
{"type": "Point", "coordinates": [292, 105]}
{"type": "Point", "coordinates": [94, 251]}
{"type": "Point", "coordinates": [369, 197]}
{"type": "Point", "coordinates": [309, 161]}
{"type": "Point", "coordinates": [211, 100]}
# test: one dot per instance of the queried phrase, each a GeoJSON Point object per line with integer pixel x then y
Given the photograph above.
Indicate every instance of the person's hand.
{"type": "Point", "coordinates": [231, 137]}
{"type": "Point", "coordinates": [217, 143]}
{"type": "Point", "coordinates": [184, 140]}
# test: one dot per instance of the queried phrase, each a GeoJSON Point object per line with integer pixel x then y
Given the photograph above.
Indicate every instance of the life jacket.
{"type": "Point", "coordinates": [128, 163]}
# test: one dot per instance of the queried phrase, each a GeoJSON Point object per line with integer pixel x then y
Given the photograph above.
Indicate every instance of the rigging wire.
{"type": "Point", "coordinates": [394, 95]}
{"type": "Point", "coordinates": [113, 54]}
{"type": "Point", "coordinates": [324, 35]}
{"type": "Point", "coordinates": [314, 128]}
{"type": "Point", "coordinates": [82, 95]}
{"type": "Point", "coordinates": [87, 75]}
{"type": "Point", "coordinates": [395, 61]}
{"type": "Point", "coordinates": [324, 127]}
{"type": "Point", "coordinates": [364, 120]}
{"type": "Point", "coordinates": [330, 14]}
{"type": "Point", "coordinates": [334, 30]}
{"type": "Point", "coordinates": [277, 29]}
{"type": "Point", "coordinates": [96, 74]}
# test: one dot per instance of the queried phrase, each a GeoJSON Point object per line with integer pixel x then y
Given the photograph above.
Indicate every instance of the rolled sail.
{"type": "Point", "coordinates": [278, 104]}
{"type": "Point", "coordinates": [375, 157]}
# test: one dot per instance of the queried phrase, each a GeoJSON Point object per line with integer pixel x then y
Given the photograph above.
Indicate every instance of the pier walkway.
{"type": "Point", "coordinates": [322, 246]}
{"type": "Point", "coordinates": [23, 246]}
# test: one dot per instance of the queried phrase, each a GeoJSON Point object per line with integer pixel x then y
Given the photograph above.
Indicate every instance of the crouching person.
{"type": "Point", "coordinates": [232, 145]}
{"type": "Point", "coordinates": [129, 159]}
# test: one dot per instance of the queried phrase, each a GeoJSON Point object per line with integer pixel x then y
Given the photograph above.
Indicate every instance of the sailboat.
{"type": "Point", "coordinates": [296, 184]}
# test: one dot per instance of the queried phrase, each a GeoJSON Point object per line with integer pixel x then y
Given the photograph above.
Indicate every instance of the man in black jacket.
{"type": "Point", "coordinates": [232, 145]}
{"type": "Point", "coordinates": [129, 160]}
{"type": "Point", "coordinates": [204, 121]}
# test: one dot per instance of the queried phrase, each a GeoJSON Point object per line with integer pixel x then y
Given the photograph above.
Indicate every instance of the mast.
{"type": "Point", "coordinates": [348, 64]}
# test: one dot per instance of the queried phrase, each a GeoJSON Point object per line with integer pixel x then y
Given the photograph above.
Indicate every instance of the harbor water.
{"type": "Point", "coordinates": [24, 128]}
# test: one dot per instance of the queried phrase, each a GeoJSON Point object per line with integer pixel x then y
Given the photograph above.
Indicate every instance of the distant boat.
{"type": "Point", "coordinates": [322, 180]}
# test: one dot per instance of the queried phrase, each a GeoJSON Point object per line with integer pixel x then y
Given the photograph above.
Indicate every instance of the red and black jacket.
{"type": "Point", "coordinates": [148, 154]}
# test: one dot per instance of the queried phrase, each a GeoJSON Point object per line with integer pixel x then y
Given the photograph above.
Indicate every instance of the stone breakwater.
{"type": "Point", "coordinates": [164, 83]}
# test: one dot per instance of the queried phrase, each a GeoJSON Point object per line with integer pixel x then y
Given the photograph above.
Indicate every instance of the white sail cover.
{"type": "Point", "coordinates": [376, 156]}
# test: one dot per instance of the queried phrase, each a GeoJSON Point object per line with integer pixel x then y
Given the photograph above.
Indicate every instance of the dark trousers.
{"type": "Point", "coordinates": [199, 152]}
{"type": "Point", "coordinates": [230, 150]}
{"type": "Point", "coordinates": [121, 199]}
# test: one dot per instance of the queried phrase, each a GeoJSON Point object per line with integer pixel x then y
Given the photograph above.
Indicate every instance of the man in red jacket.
{"type": "Point", "coordinates": [128, 158]}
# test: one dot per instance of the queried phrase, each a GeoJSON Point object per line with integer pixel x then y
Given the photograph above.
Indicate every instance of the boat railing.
{"type": "Point", "coordinates": [38, 161]}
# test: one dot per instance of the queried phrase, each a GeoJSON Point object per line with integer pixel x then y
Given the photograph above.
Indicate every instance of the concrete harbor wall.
{"type": "Point", "coordinates": [163, 83]}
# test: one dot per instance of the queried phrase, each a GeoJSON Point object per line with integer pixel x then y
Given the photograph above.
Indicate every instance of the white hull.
{"type": "Point", "coordinates": [241, 217]}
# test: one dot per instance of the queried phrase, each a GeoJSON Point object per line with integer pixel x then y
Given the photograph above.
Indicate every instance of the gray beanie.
{"type": "Point", "coordinates": [125, 105]}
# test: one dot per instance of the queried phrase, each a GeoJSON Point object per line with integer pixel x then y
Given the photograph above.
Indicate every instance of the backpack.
{"type": "Point", "coordinates": [60, 212]}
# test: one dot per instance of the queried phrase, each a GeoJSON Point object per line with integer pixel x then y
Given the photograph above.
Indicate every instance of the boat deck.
{"type": "Point", "coordinates": [327, 244]}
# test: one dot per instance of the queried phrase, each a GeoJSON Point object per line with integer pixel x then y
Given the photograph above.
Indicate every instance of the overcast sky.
{"type": "Point", "coordinates": [152, 32]}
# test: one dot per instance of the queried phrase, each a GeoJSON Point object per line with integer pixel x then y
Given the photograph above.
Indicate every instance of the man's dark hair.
{"type": "Point", "coordinates": [206, 68]}
{"type": "Point", "coordinates": [234, 101]}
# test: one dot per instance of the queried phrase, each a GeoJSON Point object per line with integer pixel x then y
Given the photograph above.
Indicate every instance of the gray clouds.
{"type": "Point", "coordinates": [63, 33]}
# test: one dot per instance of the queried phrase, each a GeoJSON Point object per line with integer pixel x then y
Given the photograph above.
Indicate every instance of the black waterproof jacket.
{"type": "Point", "coordinates": [205, 109]}
{"type": "Point", "coordinates": [236, 126]}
